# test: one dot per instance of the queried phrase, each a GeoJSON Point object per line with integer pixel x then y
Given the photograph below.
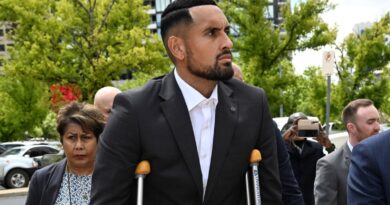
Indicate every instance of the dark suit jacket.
{"type": "Point", "coordinates": [330, 186]}
{"type": "Point", "coordinates": [45, 184]}
{"type": "Point", "coordinates": [153, 123]}
{"type": "Point", "coordinates": [369, 172]}
{"type": "Point", "coordinates": [304, 166]}
{"type": "Point", "coordinates": [291, 193]}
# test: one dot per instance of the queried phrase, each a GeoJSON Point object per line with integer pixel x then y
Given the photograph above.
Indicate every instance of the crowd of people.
{"type": "Point", "coordinates": [197, 127]}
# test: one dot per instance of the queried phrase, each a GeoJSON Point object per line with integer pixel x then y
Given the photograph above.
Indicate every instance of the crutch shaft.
{"type": "Point", "coordinates": [248, 195]}
{"type": "Point", "coordinates": [256, 185]}
{"type": "Point", "coordinates": [140, 189]}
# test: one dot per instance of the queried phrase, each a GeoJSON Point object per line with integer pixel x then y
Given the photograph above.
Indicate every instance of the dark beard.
{"type": "Point", "coordinates": [215, 72]}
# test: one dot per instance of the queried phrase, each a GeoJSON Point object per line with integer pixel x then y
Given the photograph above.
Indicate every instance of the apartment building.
{"type": "Point", "coordinates": [5, 43]}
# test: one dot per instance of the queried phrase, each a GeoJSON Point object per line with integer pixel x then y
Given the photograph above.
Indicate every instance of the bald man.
{"type": "Point", "coordinates": [104, 99]}
{"type": "Point", "coordinates": [237, 72]}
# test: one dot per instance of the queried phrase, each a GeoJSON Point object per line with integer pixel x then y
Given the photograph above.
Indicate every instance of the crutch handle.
{"type": "Point", "coordinates": [255, 157]}
{"type": "Point", "coordinates": [143, 169]}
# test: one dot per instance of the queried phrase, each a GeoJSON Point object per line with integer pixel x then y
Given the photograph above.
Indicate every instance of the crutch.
{"type": "Point", "coordinates": [143, 169]}
{"type": "Point", "coordinates": [254, 163]}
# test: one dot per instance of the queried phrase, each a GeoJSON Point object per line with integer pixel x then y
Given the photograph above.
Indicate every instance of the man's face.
{"type": "Point", "coordinates": [207, 44]}
{"type": "Point", "coordinates": [366, 123]}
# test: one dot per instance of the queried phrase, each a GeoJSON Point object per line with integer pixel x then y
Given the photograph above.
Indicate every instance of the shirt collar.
{"type": "Point", "coordinates": [191, 96]}
{"type": "Point", "coordinates": [349, 145]}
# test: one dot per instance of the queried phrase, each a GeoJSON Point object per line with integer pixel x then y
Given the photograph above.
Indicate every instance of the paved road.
{"type": "Point", "coordinates": [13, 200]}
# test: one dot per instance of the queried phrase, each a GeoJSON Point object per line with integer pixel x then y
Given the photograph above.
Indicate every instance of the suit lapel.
{"type": "Point", "coordinates": [54, 183]}
{"type": "Point", "coordinates": [176, 113]}
{"type": "Point", "coordinates": [225, 121]}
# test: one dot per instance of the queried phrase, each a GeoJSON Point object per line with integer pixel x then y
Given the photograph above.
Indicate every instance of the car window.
{"type": "Point", "coordinates": [9, 146]}
{"type": "Point", "coordinates": [14, 151]}
{"type": "Point", "coordinates": [52, 150]}
{"type": "Point", "coordinates": [2, 149]}
{"type": "Point", "coordinates": [37, 151]}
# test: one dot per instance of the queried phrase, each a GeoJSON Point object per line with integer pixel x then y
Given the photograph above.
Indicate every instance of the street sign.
{"type": "Point", "coordinates": [328, 62]}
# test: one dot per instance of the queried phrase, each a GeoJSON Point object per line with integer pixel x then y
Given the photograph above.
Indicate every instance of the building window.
{"type": "Point", "coordinates": [2, 48]}
{"type": "Point", "coordinates": [1, 32]}
{"type": "Point", "coordinates": [162, 4]}
{"type": "Point", "coordinates": [9, 31]}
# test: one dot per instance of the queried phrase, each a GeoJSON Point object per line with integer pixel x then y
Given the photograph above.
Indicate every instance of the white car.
{"type": "Point", "coordinates": [9, 145]}
{"type": "Point", "coordinates": [19, 163]}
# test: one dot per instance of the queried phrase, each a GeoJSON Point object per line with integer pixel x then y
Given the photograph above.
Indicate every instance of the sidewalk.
{"type": "Point", "coordinates": [13, 192]}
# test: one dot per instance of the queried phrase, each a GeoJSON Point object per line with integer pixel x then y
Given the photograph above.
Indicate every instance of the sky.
{"type": "Point", "coordinates": [345, 16]}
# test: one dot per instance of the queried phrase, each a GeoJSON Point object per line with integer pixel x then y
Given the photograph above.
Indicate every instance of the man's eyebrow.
{"type": "Point", "coordinates": [208, 28]}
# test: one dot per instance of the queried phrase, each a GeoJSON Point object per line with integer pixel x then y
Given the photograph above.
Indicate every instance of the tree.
{"type": "Point", "coordinates": [83, 43]}
{"type": "Point", "coordinates": [24, 104]}
{"type": "Point", "coordinates": [262, 46]}
{"type": "Point", "coordinates": [363, 69]}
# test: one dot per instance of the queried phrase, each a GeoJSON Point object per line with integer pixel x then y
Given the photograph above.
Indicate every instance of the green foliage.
{"type": "Point", "coordinates": [364, 67]}
{"type": "Point", "coordinates": [86, 43]}
{"type": "Point", "coordinates": [48, 128]}
{"type": "Point", "coordinates": [139, 80]}
{"type": "Point", "coordinates": [313, 87]}
{"type": "Point", "coordinates": [24, 104]}
{"type": "Point", "coordinates": [263, 47]}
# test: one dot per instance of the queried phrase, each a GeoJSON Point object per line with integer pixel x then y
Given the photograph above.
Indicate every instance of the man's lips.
{"type": "Point", "coordinates": [225, 57]}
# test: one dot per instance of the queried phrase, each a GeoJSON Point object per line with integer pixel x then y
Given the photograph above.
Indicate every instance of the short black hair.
{"type": "Point", "coordinates": [178, 12]}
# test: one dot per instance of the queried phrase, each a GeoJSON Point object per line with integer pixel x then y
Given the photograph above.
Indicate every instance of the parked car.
{"type": "Point", "coordinates": [338, 138]}
{"type": "Point", "coordinates": [19, 163]}
{"type": "Point", "coordinates": [9, 145]}
{"type": "Point", "coordinates": [48, 159]}
{"type": "Point", "coordinates": [2, 149]}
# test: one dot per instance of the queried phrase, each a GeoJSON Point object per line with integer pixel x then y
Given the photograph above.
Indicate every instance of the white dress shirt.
{"type": "Point", "coordinates": [202, 114]}
{"type": "Point", "coordinates": [350, 146]}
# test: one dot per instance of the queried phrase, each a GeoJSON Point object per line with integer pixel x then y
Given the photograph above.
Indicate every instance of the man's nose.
{"type": "Point", "coordinates": [227, 42]}
{"type": "Point", "coordinates": [377, 126]}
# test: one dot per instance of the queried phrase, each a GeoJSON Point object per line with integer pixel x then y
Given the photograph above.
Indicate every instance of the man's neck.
{"type": "Point", "coordinates": [202, 85]}
{"type": "Point", "coordinates": [353, 140]}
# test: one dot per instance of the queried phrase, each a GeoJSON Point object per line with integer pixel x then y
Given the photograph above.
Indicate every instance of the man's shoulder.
{"type": "Point", "coordinates": [334, 157]}
{"type": "Point", "coordinates": [151, 87]}
{"type": "Point", "coordinates": [380, 139]}
{"type": "Point", "coordinates": [242, 90]}
{"type": "Point", "coordinates": [236, 84]}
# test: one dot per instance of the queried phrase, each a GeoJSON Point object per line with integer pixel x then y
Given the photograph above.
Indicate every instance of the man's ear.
{"type": "Point", "coordinates": [350, 127]}
{"type": "Point", "coordinates": [176, 46]}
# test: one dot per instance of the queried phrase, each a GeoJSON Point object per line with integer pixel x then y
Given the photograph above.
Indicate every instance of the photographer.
{"type": "Point", "coordinates": [305, 153]}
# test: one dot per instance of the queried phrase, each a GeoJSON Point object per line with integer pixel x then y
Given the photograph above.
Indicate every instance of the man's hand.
{"type": "Point", "coordinates": [324, 140]}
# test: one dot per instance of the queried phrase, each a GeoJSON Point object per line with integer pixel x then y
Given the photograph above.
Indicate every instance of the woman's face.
{"type": "Point", "coordinates": [79, 147]}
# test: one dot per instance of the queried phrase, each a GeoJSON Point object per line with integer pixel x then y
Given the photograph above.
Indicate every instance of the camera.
{"type": "Point", "coordinates": [308, 128]}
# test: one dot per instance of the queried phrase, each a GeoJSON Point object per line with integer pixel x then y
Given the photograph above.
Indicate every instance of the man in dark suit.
{"type": "Point", "coordinates": [291, 193]}
{"type": "Point", "coordinates": [369, 176]}
{"type": "Point", "coordinates": [196, 126]}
